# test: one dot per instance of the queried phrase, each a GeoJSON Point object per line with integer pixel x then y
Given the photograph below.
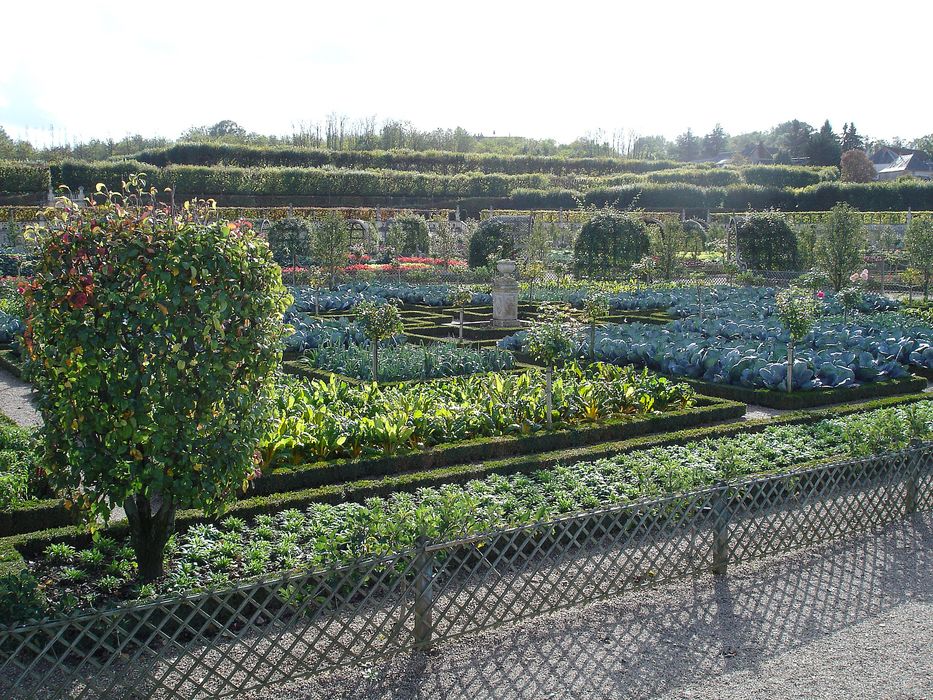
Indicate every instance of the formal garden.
{"type": "Point", "coordinates": [226, 400]}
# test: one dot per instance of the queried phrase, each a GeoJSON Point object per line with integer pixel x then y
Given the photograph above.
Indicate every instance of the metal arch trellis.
{"type": "Point", "coordinates": [224, 643]}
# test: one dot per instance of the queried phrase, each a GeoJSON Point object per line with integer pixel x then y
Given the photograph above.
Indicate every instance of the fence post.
{"type": "Point", "coordinates": [721, 515]}
{"type": "Point", "coordinates": [913, 479]}
{"type": "Point", "coordinates": [424, 595]}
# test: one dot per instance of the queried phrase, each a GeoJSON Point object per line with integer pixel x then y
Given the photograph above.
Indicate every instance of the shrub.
{"type": "Point", "coordinates": [609, 243]}
{"type": "Point", "coordinates": [493, 238]}
{"type": "Point", "coordinates": [766, 242]}
{"type": "Point", "coordinates": [154, 338]}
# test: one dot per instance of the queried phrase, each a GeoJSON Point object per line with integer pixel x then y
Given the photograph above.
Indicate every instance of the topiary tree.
{"type": "Point", "coordinates": [609, 243]}
{"type": "Point", "coordinates": [797, 310]}
{"type": "Point", "coordinates": [415, 239]}
{"type": "Point", "coordinates": [667, 242]}
{"type": "Point", "coordinates": [850, 298]}
{"type": "Point", "coordinates": [155, 339]}
{"type": "Point", "coordinates": [331, 244]}
{"type": "Point", "coordinates": [550, 341]}
{"type": "Point", "coordinates": [492, 238]}
{"type": "Point", "coordinates": [918, 241]}
{"type": "Point", "coordinates": [595, 309]}
{"type": "Point", "coordinates": [459, 299]}
{"type": "Point", "coordinates": [380, 321]}
{"type": "Point", "coordinates": [766, 242]}
{"type": "Point", "coordinates": [840, 244]}
{"type": "Point", "coordinates": [290, 240]}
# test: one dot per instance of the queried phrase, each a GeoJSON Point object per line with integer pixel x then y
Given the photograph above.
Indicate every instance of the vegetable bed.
{"type": "Point", "coordinates": [324, 535]}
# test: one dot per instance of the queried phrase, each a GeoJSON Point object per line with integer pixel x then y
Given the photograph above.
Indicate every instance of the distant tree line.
{"type": "Point", "coordinates": [790, 142]}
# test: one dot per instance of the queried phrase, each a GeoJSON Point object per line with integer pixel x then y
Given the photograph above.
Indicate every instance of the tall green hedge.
{"type": "Point", "coordinates": [18, 177]}
{"type": "Point", "coordinates": [609, 242]}
{"type": "Point", "coordinates": [437, 162]}
{"type": "Point", "coordinates": [200, 180]}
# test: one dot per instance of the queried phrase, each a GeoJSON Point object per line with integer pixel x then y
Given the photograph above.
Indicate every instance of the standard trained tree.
{"type": "Point", "coordinates": [840, 244]}
{"type": "Point", "coordinates": [918, 240]}
{"type": "Point", "coordinates": [154, 339]}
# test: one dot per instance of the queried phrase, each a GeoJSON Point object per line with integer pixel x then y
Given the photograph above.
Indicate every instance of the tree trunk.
{"type": "Point", "coordinates": [461, 325]}
{"type": "Point", "coordinates": [790, 365]}
{"type": "Point", "coordinates": [152, 521]}
{"type": "Point", "coordinates": [882, 274]}
{"type": "Point", "coordinates": [592, 341]}
{"type": "Point", "coordinates": [375, 360]}
{"type": "Point", "coordinates": [548, 374]}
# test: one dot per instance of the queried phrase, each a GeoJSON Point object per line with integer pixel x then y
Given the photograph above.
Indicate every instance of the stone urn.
{"type": "Point", "coordinates": [505, 296]}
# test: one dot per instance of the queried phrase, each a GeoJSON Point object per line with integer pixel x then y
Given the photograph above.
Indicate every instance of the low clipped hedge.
{"type": "Point", "coordinates": [13, 548]}
{"type": "Point", "coordinates": [806, 399]}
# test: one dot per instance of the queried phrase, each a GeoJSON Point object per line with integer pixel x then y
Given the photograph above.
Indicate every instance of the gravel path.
{"type": "Point", "coordinates": [853, 619]}
{"type": "Point", "coordinates": [16, 400]}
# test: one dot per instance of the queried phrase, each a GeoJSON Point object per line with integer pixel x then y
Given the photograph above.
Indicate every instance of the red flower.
{"type": "Point", "coordinates": [79, 300]}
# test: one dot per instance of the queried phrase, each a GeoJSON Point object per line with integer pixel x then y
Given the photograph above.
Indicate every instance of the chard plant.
{"type": "Point", "coordinates": [380, 321]}
{"type": "Point", "coordinates": [797, 310]}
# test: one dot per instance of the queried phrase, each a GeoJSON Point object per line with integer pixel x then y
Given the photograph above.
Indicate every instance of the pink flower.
{"type": "Point", "coordinates": [864, 275]}
{"type": "Point", "coordinates": [820, 295]}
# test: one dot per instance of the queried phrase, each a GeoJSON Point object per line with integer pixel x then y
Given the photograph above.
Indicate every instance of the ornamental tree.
{"type": "Point", "coordinates": [155, 339]}
{"type": "Point", "coordinates": [855, 166]}
{"type": "Point", "coordinates": [550, 341]}
{"type": "Point", "coordinates": [595, 309]}
{"type": "Point", "coordinates": [459, 299]}
{"type": "Point", "coordinates": [840, 245]}
{"type": "Point", "coordinates": [918, 240]}
{"type": "Point", "coordinates": [290, 242]}
{"type": "Point", "coordinates": [330, 244]}
{"type": "Point", "coordinates": [380, 321]}
{"type": "Point", "coordinates": [609, 243]}
{"type": "Point", "coordinates": [797, 310]}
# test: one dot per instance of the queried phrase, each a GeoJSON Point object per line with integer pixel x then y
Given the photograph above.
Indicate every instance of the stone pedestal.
{"type": "Point", "coordinates": [505, 296]}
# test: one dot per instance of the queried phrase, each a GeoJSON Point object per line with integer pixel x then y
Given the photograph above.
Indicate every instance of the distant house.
{"type": "Point", "coordinates": [758, 154]}
{"type": "Point", "coordinates": [892, 162]}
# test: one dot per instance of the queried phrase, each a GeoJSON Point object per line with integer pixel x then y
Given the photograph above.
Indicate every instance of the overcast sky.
{"type": "Point", "coordinates": [106, 69]}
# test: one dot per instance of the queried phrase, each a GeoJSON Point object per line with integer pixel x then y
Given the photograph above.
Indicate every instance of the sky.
{"type": "Point", "coordinates": [74, 71]}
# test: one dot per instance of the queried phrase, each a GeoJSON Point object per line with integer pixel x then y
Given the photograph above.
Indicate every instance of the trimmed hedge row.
{"type": "Point", "coordinates": [202, 181]}
{"type": "Point", "coordinates": [13, 548]}
{"type": "Point", "coordinates": [797, 400]}
{"type": "Point", "coordinates": [17, 176]}
{"type": "Point", "coordinates": [438, 162]}
{"type": "Point", "coordinates": [528, 190]}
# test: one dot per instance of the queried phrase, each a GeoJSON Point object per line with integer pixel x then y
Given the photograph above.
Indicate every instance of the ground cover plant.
{"type": "Point", "coordinates": [21, 475]}
{"type": "Point", "coordinates": [404, 362]}
{"type": "Point", "coordinates": [323, 535]}
{"type": "Point", "coordinates": [320, 420]}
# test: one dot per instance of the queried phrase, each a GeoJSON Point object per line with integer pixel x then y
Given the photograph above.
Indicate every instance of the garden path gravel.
{"type": "Point", "coordinates": [851, 619]}
{"type": "Point", "coordinates": [17, 401]}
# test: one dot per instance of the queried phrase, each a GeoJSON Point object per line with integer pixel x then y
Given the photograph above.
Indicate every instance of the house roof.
{"type": "Point", "coordinates": [907, 163]}
{"type": "Point", "coordinates": [889, 154]}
